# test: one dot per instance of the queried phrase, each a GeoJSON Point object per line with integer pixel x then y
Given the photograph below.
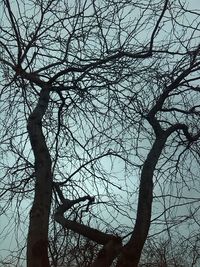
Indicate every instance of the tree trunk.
{"type": "Point", "coordinates": [131, 252]}
{"type": "Point", "coordinates": [37, 244]}
{"type": "Point", "coordinates": [108, 253]}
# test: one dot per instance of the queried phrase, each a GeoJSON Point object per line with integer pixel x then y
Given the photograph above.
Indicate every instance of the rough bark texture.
{"type": "Point", "coordinates": [131, 252]}
{"type": "Point", "coordinates": [37, 246]}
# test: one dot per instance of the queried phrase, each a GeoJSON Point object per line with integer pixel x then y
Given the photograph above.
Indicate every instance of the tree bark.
{"type": "Point", "coordinates": [108, 253]}
{"type": "Point", "coordinates": [131, 252]}
{"type": "Point", "coordinates": [37, 244]}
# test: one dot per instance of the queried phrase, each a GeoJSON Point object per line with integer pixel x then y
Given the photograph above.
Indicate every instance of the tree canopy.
{"type": "Point", "coordinates": [100, 108]}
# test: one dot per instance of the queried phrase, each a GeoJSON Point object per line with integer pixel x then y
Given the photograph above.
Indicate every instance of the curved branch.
{"type": "Point", "coordinates": [184, 128]}
{"type": "Point", "coordinates": [111, 244]}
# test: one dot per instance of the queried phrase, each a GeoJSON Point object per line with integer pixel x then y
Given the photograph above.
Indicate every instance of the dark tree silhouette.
{"type": "Point", "coordinates": [170, 253]}
{"type": "Point", "coordinates": [100, 107]}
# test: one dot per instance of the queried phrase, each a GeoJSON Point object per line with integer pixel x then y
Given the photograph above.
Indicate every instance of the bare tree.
{"type": "Point", "coordinates": [89, 89]}
{"type": "Point", "coordinates": [176, 252]}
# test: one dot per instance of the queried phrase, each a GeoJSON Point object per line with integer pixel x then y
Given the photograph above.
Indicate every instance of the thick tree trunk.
{"type": "Point", "coordinates": [131, 252]}
{"type": "Point", "coordinates": [37, 244]}
{"type": "Point", "coordinates": [108, 253]}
